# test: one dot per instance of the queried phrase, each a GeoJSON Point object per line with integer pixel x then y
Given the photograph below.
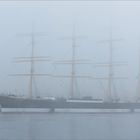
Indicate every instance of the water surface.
{"type": "Point", "coordinates": [69, 126]}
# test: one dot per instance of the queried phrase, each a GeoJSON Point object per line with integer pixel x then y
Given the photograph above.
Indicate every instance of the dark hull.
{"type": "Point", "coordinates": [13, 102]}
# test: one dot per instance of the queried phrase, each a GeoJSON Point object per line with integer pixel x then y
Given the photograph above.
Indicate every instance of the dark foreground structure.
{"type": "Point", "coordinates": [16, 102]}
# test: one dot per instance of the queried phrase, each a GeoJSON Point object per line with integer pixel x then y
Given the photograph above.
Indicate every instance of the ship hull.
{"type": "Point", "coordinates": [13, 102]}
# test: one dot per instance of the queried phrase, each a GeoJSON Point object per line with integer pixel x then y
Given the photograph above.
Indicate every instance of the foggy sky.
{"type": "Point", "coordinates": [56, 19]}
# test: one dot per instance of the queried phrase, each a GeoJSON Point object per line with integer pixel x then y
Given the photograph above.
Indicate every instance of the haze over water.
{"type": "Point", "coordinates": [93, 20]}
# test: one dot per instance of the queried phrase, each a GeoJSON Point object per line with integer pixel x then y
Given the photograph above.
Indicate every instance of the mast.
{"type": "Point", "coordinates": [73, 63]}
{"type": "Point", "coordinates": [138, 85]}
{"type": "Point", "coordinates": [110, 65]}
{"type": "Point", "coordinates": [32, 67]}
{"type": "Point", "coordinates": [110, 80]}
{"type": "Point", "coordinates": [32, 59]}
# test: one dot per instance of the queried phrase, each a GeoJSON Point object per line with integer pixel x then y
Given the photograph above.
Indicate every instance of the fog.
{"type": "Point", "coordinates": [93, 21]}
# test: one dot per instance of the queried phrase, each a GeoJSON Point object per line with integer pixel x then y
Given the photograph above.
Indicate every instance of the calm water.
{"type": "Point", "coordinates": [69, 126]}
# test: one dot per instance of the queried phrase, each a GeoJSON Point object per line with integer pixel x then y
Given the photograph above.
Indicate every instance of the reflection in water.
{"type": "Point", "coordinates": [73, 128]}
{"type": "Point", "coordinates": [62, 126]}
{"type": "Point", "coordinates": [31, 128]}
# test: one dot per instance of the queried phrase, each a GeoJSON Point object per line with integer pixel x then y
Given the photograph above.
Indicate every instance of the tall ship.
{"type": "Point", "coordinates": [72, 102]}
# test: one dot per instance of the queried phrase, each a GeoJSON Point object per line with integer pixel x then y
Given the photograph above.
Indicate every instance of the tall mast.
{"type": "Point", "coordinates": [73, 62]}
{"type": "Point", "coordinates": [110, 80]}
{"type": "Point", "coordinates": [32, 59]}
{"type": "Point", "coordinates": [138, 85]}
{"type": "Point", "coordinates": [32, 67]}
{"type": "Point", "coordinates": [110, 65]}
